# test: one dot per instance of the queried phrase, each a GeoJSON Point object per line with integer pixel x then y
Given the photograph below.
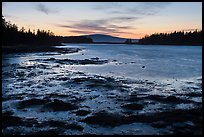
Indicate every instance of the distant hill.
{"type": "Point", "coordinates": [107, 38]}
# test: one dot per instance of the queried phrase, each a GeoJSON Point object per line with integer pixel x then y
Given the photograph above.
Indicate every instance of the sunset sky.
{"type": "Point", "coordinates": [123, 19]}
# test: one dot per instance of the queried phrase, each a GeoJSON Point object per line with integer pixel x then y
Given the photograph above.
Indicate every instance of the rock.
{"type": "Point", "coordinates": [50, 59]}
{"type": "Point", "coordinates": [194, 94]}
{"type": "Point", "coordinates": [53, 123]}
{"type": "Point", "coordinates": [179, 125]}
{"type": "Point", "coordinates": [82, 62]}
{"type": "Point", "coordinates": [159, 124]}
{"type": "Point", "coordinates": [74, 127]}
{"type": "Point", "coordinates": [104, 118]}
{"type": "Point", "coordinates": [56, 131]}
{"type": "Point", "coordinates": [58, 105]}
{"type": "Point", "coordinates": [172, 98]}
{"type": "Point", "coordinates": [133, 106]}
{"type": "Point", "coordinates": [82, 112]}
{"type": "Point", "coordinates": [31, 102]}
{"type": "Point", "coordinates": [150, 83]}
{"type": "Point", "coordinates": [96, 58]}
{"type": "Point", "coordinates": [9, 120]}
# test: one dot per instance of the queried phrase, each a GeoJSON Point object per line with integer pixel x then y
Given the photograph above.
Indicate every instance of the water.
{"type": "Point", "coordinates": [100, 79]}
{"type": "Point", "coordinates": [159, 61]}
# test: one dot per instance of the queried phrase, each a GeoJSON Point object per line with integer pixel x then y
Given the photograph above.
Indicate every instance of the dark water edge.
{"type": "Point", "coordinates": [36, 48]}
{"type": "Point", "coordinates": [39, 100]}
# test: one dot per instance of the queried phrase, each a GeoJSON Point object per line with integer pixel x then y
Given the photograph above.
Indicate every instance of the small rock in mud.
{"type": "Point", "coordinates": [87, 91]}
{"type": "Point", "coordinates": [82, 62]}
{"type": "Point", "coordinates": [174, 99]}
{"type": "Point", "coordinates": [30, 122]}
{"type": "Point", "coordinates": [150, 83]}
{"type": "Point", "coordinates": [5, 98]}
{"type": "Point", "coordinates": [104, 118]}
{"type": "Point", "coordinates": [9, 120]}
{"type": "Point", "coordinates": [74, 127]}
{"type": "Point", "coordinates": [63, 78]}
{"type": "Point", "coordinates": [79, 80]}
{"type": "Point", "coordinates": [82, 112]}
{"type": "Point", "coordinates": [174, 90]}
{"type": "Point", "coordinates": [194, 94]}
{"type": "Point", "coordinates": [143, 89]}
{"type": "Point", "coordinates": [159, 124]}
{"type": "Point", "coordinates": [96, 58]}
{"type": "Point", "coordinates": [53, 123]}
{"type": "Point", "coordinates": [55, 95]}
{"type": "Point", "coordinates": [31, 102]}
{"type": "Point", "coordinates": [133, 106]}
{"type": "Point", "coordinates": [56, 131]}
{"type": "Point", "coordinates": [154, 97]}
{"type": "Point", "coordinates": [189, 82]}
{"type": "Point", "coordinates": [179, 125]}
{"type": "Point", "coordinates": [171, 98]}
{"type": "Point", "coordinates": [50, 59]}
{"type": "Point", "coordinates": [58, 105]}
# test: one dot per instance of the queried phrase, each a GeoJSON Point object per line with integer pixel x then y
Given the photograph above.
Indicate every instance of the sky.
{"type": "Point", "coordinates": [122, 19]}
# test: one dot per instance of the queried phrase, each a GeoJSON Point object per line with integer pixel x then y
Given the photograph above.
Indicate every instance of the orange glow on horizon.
{"type": "Point", "coordinates": [129, 21]}
{"type": "Point", "coordinates": [132, 35]}
{"type": "Point", "coordinates": [137, 34]}
{"type": "Point", "coordinates": [124, 35]}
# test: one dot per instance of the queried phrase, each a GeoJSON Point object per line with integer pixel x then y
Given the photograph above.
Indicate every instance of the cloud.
{"type": "Point", "coordinates": [132, 8]}
{"type": "Point", "coordinates": [88, 25]}
{"type": "Point", "coordinates": [45, 9]}
{"type": "Point", "coordinates": [80, 32]}
{"type": "Point", "coordinates": [122, 16]}
{"type": "Point", "coordinates": [149, 8]}
{"type": "Point", "coordinates": [123, 19]}
{"type": "Point", "coordinates": [103, 26]}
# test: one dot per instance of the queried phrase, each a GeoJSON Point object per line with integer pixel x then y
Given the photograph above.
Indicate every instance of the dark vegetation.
{"type": "Point", "coordinates": [15, 39]}
{"type": "Point", "coordinates": [21, 40]}
{"type": "Point", "coordinates": [175, 38]}
{"type": "Point", "coordinates": [13, 36]}
{"type": "Point", "coordinates": [128, 41]}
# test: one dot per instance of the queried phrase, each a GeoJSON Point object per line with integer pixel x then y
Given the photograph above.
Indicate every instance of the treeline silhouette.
{"type": "Point", "coordinates": [14, 36]}
{"type": "Point", "coordinates": [174, 38]}
{"type": "Point", "coordinates": [76, 39]}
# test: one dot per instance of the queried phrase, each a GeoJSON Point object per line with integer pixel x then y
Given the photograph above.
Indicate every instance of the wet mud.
{"type": "Point", "coordinates": [40, 98]}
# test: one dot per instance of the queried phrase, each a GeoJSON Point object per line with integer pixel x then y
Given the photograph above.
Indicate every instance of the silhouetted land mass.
{"type": "Point", "coordinates": [175, 38]}
{"type": "Point", "coordinates": [20, 40]}
{"type": "Point", "coordinates": [128, 41]}
{"type": "Point", "coordinates": [12, 35]}
{"type": "Point", "coordinates": [76, 39]}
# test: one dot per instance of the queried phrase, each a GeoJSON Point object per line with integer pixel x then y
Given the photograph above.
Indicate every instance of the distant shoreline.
{"type": "Point", "coordinates": [132, 44]}
{"type": "Point", "coordinates": [29, 48]}
{"type": "Point", "coordinates": [25, 48]}
{"type": "Point", "coordinates": [101, 43]}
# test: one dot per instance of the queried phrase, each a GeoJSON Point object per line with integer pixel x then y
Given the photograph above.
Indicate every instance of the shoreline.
{"type": "Point", "coordinates": [24, 48]}
{"type": "Point", "coordinates": [136, 44]}
{"type": "Point", "coordinates": [49, 94]}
